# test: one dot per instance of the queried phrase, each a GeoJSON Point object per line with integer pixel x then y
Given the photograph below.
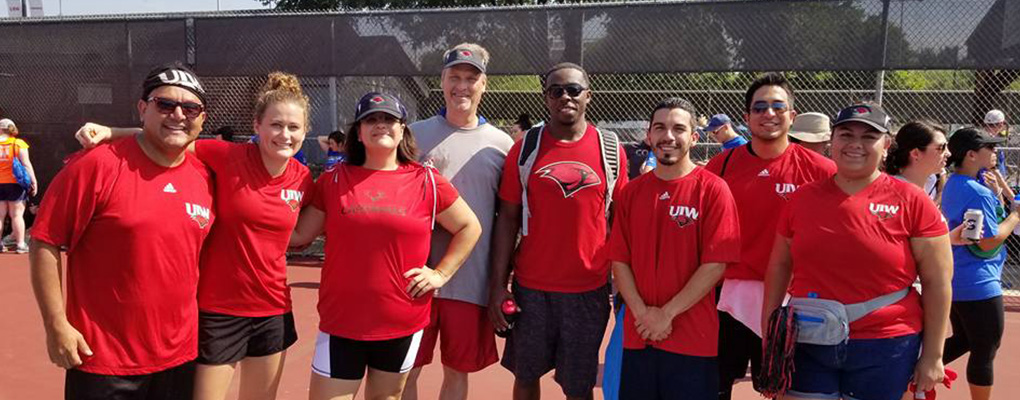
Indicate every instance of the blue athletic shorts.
{"type": "Point", "coordinates": [861, 369]}
{"type": "Point", "coordinates": [653, 374]}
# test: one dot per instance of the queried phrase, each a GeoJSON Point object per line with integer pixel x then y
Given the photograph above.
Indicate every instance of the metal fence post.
{"type": "Point", "coordinates": [190, 40]}
{"type": "Point", "coordinates": [880, 76]}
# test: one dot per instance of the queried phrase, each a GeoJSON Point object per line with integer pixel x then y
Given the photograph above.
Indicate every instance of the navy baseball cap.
{"type": "Point", "coordinates": [379, 102]}
{"type": "Point", "coordinates": [871, 114]}
{"type": "Point", "coordinates": [717, 122]}
{"type": "Point", "coordinates": [463, 55]}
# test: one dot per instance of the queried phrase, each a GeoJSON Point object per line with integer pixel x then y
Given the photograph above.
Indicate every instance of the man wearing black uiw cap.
{"type": "Point", "coordinates": [132, 214]}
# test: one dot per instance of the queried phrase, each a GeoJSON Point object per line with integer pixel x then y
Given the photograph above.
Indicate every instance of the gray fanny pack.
{"type": "Point", "coordinates": [827, 322]}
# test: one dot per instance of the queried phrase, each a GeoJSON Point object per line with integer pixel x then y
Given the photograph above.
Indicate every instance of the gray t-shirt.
{"type": "Point", "coordinates": [472, 159]}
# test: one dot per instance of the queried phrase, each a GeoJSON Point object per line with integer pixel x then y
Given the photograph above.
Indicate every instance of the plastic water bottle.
{"type": "Point", "coordinates": [650, 160]}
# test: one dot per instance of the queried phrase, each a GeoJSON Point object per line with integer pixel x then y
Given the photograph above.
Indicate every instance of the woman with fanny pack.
{"type": "Point", "coordinates": [848, 249]}
{"type": "Point", "coordinates": [977, 314]}
{"type": "Point", "coordinates": [13, 194]}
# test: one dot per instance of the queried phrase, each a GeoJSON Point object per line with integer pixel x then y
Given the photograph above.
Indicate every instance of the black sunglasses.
{"type": "Point", "coordinates": [167, 106]}
{"type": "Point", "coordinates": [571, 89]}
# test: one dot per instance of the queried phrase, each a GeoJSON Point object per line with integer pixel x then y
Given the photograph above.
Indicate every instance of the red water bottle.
{"type": "Point", "coordinates": [509, 308]}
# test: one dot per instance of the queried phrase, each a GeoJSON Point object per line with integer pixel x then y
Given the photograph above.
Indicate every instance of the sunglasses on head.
{"type": "Point", "coordinates": [167, 106]}
{"type": "Point", "coordinates": [760, 107]}
{"type": "Point", "coordinates": [571, 89]}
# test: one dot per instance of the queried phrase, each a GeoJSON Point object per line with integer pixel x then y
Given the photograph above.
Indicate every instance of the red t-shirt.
{"type": "Point", "coordinates": [133, 230]}
{"type": "Point", "coordinates": [244, 264]}
{"type": "Point", "coordinates": [761, 188]}
{"type": "Point", "coordinates": [378, 226]}
{"type": "Point", "coordinates": [665, 230]}
{"type": "Point", "coordinates": [855, 248]}
{"type": "Point", "coordinates": [567, 228]}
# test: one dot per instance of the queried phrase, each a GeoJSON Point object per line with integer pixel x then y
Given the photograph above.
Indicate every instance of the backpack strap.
{"type": "Point", "coordinates": [857, 311]}
{"type": "Point", "coordinates": [609, 145]}
{"type": "Point", "coordinates": [525, 162]}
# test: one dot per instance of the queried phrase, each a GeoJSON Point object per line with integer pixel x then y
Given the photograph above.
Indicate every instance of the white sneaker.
{"type": "Point", "coordinates": [22, 249]}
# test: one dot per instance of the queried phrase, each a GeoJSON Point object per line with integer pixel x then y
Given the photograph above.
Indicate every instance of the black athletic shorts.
{"type": "Point", "coordinates": [561, 331]}
{"type": "Point", "coordinates": [342, 358]}
{"type": "Point", "coordinates": [226, 339]}
{"type": "Point", "coordinates": [176, 383]}
{"type": "Point", "coordinates": [12, 192]}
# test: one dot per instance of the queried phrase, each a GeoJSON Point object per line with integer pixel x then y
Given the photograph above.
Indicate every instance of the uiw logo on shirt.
{"type": "Point", "coordinates": [883, 211]}
{"type": "Point", "coordinates": [683, 215]}
{"type": "Point", "coordinates": [198, 213]}
{"type": "Point", "coordinates": [784, 190]}
{"type": "Point", "coordinates": [292, 198]}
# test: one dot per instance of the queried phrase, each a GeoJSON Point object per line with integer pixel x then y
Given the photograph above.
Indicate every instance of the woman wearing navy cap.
{"type": "Point", "coordinates": [855, 243]}
{"type": "Point", "coordinates": [377, 210]}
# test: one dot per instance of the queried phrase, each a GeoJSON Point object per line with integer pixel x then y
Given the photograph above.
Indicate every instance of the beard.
{"type": "Point", "coordinates": [672, 160]}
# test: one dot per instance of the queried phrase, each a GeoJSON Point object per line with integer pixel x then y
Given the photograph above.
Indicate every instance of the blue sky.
{"type": "Point", "coordinates": [92, 7]}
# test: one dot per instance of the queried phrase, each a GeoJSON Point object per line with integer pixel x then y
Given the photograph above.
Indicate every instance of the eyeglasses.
{"type": "Point", "coordinates": [759, 107]}
{"type": "Point", "coordinates": [571, 89]}
{"type": "Point", "coordinates": [941, 147]}
{"type": "Point", "coordinates": [167, 106]}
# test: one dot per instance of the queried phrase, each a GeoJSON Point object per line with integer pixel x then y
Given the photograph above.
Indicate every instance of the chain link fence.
{"type": "Point", "coordinates": [949, 61]}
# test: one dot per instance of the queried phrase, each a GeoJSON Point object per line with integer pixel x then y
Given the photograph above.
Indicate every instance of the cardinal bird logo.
{"type": "Point", "coordinates": [571, 176]}
{"type": "Point", "coordinates": [292, 198]}
{"type": "Point", "coordinates": [198, 214]}
{"type": "Point", "coordinates": [683, 215]}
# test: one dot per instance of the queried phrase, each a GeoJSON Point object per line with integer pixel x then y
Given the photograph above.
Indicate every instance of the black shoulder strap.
{"type": "Point", "coordinates": [726, 161]}
{"type": "Point", "coordinates": [530, 143]}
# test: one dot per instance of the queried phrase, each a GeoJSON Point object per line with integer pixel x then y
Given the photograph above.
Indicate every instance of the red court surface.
{"type": "Point", "coordinates": [26, 373]}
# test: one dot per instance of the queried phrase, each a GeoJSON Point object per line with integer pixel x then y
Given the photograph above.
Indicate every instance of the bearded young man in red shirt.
{"type": "Point", "coordinates": [674, 231]}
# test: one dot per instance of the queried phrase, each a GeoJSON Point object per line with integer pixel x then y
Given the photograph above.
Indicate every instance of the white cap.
{"type": "Point", "coordinates": [995, 117]}
{"type": "Point", "coordinates": [6, 124]}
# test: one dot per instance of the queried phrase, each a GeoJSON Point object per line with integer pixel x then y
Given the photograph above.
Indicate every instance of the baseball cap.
{"type": "Point", "coordinates": [967, 139]}
{"type": "Point", "coordinates": [461, 55]}
{"type": "Point", "coordinates": [716, 122]}
{"type": "Point", "coordinates": [6, 124]}
{"type": "Point", "coordinates": [379, 102]}
{"type": "Point", "coordinates": [872, 114]}
{"type": "Point", "coordinates": [811, 127]}
{"type": "Point", "coordinates": [995, 117]}
{"type": "Point", "coordinates": [172, 75]}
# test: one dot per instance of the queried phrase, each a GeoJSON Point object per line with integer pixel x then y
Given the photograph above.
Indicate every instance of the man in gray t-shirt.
{"type": "Point", "coordinates": [470, 153]}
